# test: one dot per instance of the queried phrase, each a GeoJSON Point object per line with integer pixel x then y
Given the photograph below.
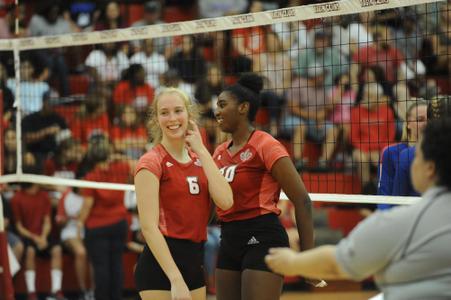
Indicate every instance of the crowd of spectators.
{"type": "Point", "coordinates": [344, 82]}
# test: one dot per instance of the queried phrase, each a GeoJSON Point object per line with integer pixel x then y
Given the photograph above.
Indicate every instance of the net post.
{"type": "Point", "coordinates": [6, 282]}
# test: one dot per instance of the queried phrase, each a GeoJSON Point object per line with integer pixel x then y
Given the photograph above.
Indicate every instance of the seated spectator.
{"type": "Point", "coordinates": [134, 90]}
{"type": "Point", "coordinates": [129, 136]}
{"type": "Point", "coordinates": [274, 65]}
{"type": "Point", "coordinates": [188, 61]}
{"type": "Point", "coordinates": [107, 63]}
{"type": "Point", "coordinates": [389, 162]}
{"type": "Point", "coordinates": [72, 235]}
{"type": "Point", "coordinates": [153, 62]}
{"type": "Point", "coordinates": [49, 21]}
{"type": "Point", "coordinates": [8, 99]}
{"type": "Point", "coordinates": [10, 151]}
{"type": "Point", "coordinates": [82, 13]}
{"type": "Point", "coordinates": [321, 54]}
{"type": "Point", "coordinates": [92, 118]}
{"type": "Point", "coordinates": [31, 89]}
{"type": "Point", "coordinates": [152, 16]}
{"type": "Point", "coordinates": [206, 95]}
{"type": "Point", "coordinates": [218, 8]}
{"type": "Point", "coordinates": [43, 130]}
{"type": "Point", "coordinates": [306, 116]}
{"type": "Point", "coordinates": [404, 249]}
{"type": "Point", "coordinates": [13, 239]}
{"type": "Point", "coordinates": [65, 162]}
{"type": "Point", "coordinates": [110, 17]}
{"type": "Point", "coordinates": [31, 208]}
{"type": "Point", "coordinates": [381, 53]}
{"type": "Point", "coordinates": [372, 128]}
{"type": "Point", "coordinates": [171, 78]}
{"type": "Point", "coordinates": [343, 97]}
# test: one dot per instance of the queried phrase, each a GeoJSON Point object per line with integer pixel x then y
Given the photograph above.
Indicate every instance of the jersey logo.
{"type": "Point", "coordinates": [246, 155]}
{"type": "Point", "coordinates": [198, 163]}
{"type": "Point", "coordinates": [253, 241]}
{"type": "Point", "coordinates": [219, 157]}
{"type": "Point", "coordinates": [169, 164]}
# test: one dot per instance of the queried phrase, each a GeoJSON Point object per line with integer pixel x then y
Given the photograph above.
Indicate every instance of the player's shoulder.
{"type": "Point", "coordinates": [157, 153]}
{"type": "Point", "coordinates": [261, 139]}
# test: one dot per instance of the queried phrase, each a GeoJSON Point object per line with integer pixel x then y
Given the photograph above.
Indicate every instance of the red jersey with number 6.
{"type": "Point", "coordinates": [255, 191]}
{"type": "Point", "coordinates": [184, 197]}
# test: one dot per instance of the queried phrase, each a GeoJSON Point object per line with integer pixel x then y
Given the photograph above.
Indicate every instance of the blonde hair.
{"type": "Point", "coordinates": [153, 126]}
{"type": "Point", "coordinates": [405, 131]}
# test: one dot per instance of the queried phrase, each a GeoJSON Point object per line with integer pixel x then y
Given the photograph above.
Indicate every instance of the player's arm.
{"type": "Point", "coordinates": [147, 188]}
{"type": "Point", "coordinates": [320, 262]}
{"type": "Point", "coordinates": [218, 187]}
{"type": "Point", "coordinates": [286, 175]}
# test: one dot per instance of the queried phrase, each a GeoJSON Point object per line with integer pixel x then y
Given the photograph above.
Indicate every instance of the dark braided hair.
{"type": "Point", "coordinates": [247, 89]}
{"type": "Point", "coordinates": [436, 147]}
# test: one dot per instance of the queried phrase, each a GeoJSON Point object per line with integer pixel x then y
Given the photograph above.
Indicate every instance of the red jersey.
{"type": "Point", "coordinates": [183, 196]}
{"type": "Point", "coordinates": [372, 130]}
{"type": "Point", "coordinates": [120, 133]}
{"type": "Point", "coordinates": [31, 210]}
{"type": "Point", "coordinates": [255, 191]}
{"type": "Point", "coordinates": [82, 129]}
{"type": "Point", "coordinates": [108, 207]}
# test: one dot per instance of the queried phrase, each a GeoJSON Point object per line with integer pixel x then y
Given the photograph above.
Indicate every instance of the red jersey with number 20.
{"type": "Point", "coordinates": [255, 191]}
{"type": "Point", "coordinates": [184, 197]}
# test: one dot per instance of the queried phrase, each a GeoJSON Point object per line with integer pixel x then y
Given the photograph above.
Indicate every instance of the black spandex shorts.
{"type": "Point", "coordinates": [43, 253]}
{"type": "Point", "coordinates": [188, 257]}
{"type": "Point", "coordinates": [245, 243]}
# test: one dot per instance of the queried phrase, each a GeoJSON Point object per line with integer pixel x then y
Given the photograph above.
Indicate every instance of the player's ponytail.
{"type": "Point", "coordinates": [247, 89]}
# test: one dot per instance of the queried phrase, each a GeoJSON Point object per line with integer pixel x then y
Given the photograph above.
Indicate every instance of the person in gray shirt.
{"type": "Point", "coordinates": [406, 249]}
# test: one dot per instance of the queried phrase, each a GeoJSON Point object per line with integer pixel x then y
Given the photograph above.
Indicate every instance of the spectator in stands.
{"type": "Point", "coordinates": [321, 54]}
{"type": "Point", "coordinates": [136, 242]}
{"type": "Point", "coordinates": [32, 214]}
{"type": "Point", "coordinates": [307, 114]}
{"type": "Point", "coordinates": [188, 61]}
{"type": "Point", "coordinates": [10, 151]}
{"type": "Point", "coordinates": [152, 16]}
{"type": "Point", "coordinates": [404, 249]}
{"type": "Point", "coordinates": [133, 90]}
{"type": "Point", "coordinates": [92, 118]}
{"type": "Point", "coordinates": [153, 62]}
{"type": "Point", "coordinates": [440, 107]}
{"type": "Point", "coordinates": [107, 63]}
{"type": "Point", "coordinates": [389, 161]}
{"type": "Point", "coordinates": [218, 8]}
{"type": "Point", "coordinates": [206, 95]}
{"type": "Point", "coordinates": [171, 78]}
{"type": "Point", "coordinates": [13, 239]}
{"type": "Point", "coordinates": [31, 89]}
{"type": "Point", "coordinates": [82, 13]}
{"type": "Point", "coordinates": [49, 21]}
{"type": "Point", "coordinates": [44, 130]}
{"type": "Point", "coordinates": [372, 128]}
{"type": "Point", "coordinates": [275, 66]}
{"type": "Point", "coordinates": [129, 136]}
{"type": "Point", "coordinates": [247, 43]}
{"type": "Point", "coordinates": [72, 235]}
{"type": "Point", "coordinates": [65, 162]}
{"type": "Point", "coordinates": [7, 99]}
{"type": "Point", "coordinates": [381, 53]}
{"type": "Point", "coordinates": [110, 17]}
{"type": "Point", "coordinates": [211, 255]}
{"type": "Point", "coordinates": [343, 96]}
{"type": "Point", "coordinates": [103, 215]}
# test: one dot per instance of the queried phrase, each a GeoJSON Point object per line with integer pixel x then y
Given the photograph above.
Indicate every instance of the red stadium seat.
{"type": "Point", "coordinates": [78, 84]}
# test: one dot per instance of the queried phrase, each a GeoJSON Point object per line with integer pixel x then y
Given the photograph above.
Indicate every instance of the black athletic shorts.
{"type": "Point", "coordinates": [43, 253]}
{"type": "Point", "coordinates": [188, 257]}
{"type": "Point", "coordinates": [245, 243]}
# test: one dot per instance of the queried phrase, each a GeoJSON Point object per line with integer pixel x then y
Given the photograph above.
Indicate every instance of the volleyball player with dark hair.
{"type": "Point", "coordinates": [405, 248]}
{"type": "Point", "coordinates": [257, 166]}
{"type": "Point", "coordinates": [174, 182]}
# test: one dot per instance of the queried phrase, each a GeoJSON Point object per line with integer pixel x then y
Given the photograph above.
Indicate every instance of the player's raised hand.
{"type": "Point", "coordinates": [193, 138]}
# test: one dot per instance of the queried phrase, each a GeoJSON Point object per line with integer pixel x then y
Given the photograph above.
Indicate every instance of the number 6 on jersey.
{"type": "Point", "coordinates": [193, 183]}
